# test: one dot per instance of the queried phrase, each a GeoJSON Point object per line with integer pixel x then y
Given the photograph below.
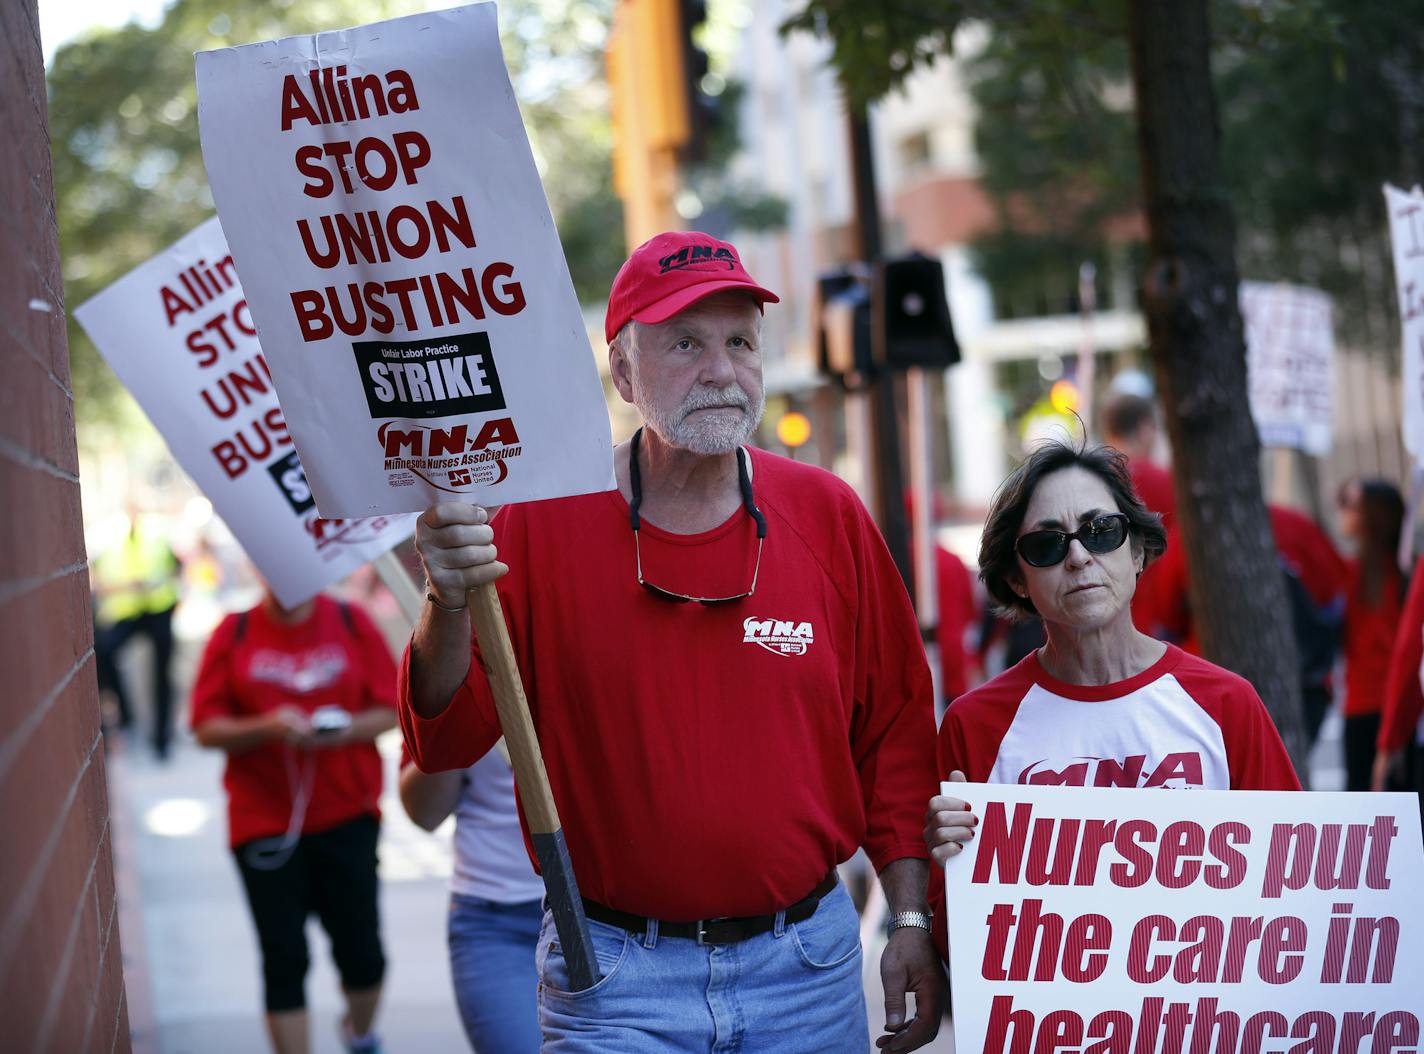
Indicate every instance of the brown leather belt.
{"type": "Point", "coordinates": [713, 931]}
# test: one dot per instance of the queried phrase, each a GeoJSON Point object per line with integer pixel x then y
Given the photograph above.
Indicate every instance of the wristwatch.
{"type": "Point", "coordinates": [914, 919]}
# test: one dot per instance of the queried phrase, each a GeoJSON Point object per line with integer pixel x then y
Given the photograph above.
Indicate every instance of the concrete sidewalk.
{"type": "Point", "coordinates": [191, 958]}
{"type": "Point", "coordinates": [195, 960]}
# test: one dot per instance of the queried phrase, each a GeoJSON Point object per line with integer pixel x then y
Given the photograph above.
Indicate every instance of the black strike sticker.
{"type": "Point", "coordinates": [436, 377]}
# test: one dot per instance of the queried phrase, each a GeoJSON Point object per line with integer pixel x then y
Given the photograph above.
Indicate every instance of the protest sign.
{"type": "Point", "coordinates": [178, 333]}
{"type": "Point", "coordinates": [1406, 231]}
{"type": "Point", "coordinates": [385, 212]}
{"type": "Point", "coordinates": [1104, 921]}
{"type": "Point", "coordinates": [1290, 364]}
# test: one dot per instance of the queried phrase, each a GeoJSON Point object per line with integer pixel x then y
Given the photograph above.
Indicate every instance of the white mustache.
{"type": "Point", "coordinates": [706, 398]}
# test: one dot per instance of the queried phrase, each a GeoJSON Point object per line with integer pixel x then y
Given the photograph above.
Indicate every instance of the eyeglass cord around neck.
{"type": "Point", "coordinates": [635, 485]}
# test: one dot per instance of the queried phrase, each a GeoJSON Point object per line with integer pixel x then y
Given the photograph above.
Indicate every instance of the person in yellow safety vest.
{"type": "Point", "coordinates": [135, 584]}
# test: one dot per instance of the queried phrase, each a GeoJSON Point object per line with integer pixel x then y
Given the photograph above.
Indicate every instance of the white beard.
{"type": "Point", "coordinates": [708, 434]}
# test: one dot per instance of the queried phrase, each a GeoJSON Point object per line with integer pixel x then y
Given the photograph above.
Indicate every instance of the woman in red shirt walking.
{"type": "Point", "coordinates": [1371, 514]}
{"type": "Point", "coordinates": [295, 697]}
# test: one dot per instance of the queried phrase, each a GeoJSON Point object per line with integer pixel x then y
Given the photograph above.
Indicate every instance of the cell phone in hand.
{"type": "Point", "coordinates": [327, 720]}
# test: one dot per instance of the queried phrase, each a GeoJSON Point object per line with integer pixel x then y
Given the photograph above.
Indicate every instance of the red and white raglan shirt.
{"type": "Point", "coordinates": [1180, 724]}
{"type": "Point", "coordinates": [710, 760]}
{"type": "Point", "coordinates": [253, 665]}
{"type": "Point", "coordinates": [1402, 715]}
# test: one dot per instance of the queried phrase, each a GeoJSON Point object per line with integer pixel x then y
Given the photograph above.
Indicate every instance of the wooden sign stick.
{"type": "Point", "coordinates": [565, 903]}
{"type": "Point", "coordinates": [520, 747]}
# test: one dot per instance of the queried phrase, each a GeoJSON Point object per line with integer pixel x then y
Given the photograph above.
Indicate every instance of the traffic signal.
{"type": "Point", "coordinates": [918, 329]}
{"type": "Point", "coordinates": [843, 327]}
{"type": "Point", "coordinates": [704, 108]}
{"type": "Point", "coordinates": [647, 78]}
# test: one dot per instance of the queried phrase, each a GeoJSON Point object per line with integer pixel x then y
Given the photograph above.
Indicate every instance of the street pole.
{"type": "Point", "coordinates": [889, 486]}
{"type": "Point", "coordinates": [1087, 348]}
{"type": "Point", "coordinates": [921, 421]}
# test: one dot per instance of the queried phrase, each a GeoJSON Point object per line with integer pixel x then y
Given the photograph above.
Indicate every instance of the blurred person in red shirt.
{"type": "Point", "coordinates": [958, 611]}
{"type": "Point", "coordinates": [1399, 750]}
{"type": "Point", "coordinates": [296, 697]}
{"type": "Point", "coordinates": [1371, 516]}
{"type": "Point", "coordinates": [1316, 577]}
{"type": "Point", "coordinates": [1130, 425]}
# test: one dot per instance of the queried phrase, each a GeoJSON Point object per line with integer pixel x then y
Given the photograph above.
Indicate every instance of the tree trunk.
{"type": "Point", "coordinates": [1240, 607]}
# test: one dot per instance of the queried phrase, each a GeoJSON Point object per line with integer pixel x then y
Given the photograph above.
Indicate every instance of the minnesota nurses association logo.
{"type": "Point", "coordinates": [777, 636]}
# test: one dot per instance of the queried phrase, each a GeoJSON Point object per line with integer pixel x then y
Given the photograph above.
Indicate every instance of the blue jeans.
{"type": "Point", "coordinates": [795, 989]}
{"type": "Point", "coordinates": [492, 965]}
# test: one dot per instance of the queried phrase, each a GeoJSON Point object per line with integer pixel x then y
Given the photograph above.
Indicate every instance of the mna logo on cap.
{"type": "Point", "coordinates": [669, 273]}
{"type": "Point", "coordinates": [701, 257]}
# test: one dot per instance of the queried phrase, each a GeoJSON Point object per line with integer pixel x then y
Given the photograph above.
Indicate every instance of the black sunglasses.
{"type": "Point", "coordinates": [635, 484]}
{"type": "Point", "coordinates": [1102, 534]}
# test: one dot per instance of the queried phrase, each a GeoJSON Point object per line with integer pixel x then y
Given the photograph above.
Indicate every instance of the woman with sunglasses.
{"type": "Point", "coordinates": [1100, 704]}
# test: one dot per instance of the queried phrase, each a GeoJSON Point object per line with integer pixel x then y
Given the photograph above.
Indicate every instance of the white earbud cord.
{"type": "Point", "coordinates": [268, 854]}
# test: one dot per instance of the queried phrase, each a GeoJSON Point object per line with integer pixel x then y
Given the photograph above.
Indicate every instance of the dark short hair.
{"type": "Point", "coordinates": [998, 559]}
{"type": "Point", "coordinates": [1125, 413]}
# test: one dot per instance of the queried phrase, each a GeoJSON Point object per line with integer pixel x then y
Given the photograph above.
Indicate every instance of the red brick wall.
{"type": "Point", "coordinates": [61, 983]}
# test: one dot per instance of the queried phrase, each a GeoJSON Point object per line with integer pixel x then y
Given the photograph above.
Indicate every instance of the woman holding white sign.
{"type": "Point", "coordinates": [1100, 704]}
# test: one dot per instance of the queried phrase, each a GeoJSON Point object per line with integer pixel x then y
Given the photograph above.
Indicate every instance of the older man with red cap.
{"type": "Point", "coordinates": [730, 692]}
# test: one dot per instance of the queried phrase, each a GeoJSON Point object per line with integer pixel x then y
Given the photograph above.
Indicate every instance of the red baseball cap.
{"type": "Point", "coordinates": [672, 271]}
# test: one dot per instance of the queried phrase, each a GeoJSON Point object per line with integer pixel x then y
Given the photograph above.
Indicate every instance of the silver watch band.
{"type": "Point", "coordinates": [914, 919]}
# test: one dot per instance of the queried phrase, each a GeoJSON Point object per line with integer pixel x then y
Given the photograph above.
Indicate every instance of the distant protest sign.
{"type": "Point", "coordinates": [1406, 230]}
{"type": "Point", "coordinates": [1290, 364]}
{"type": "Point", "coordinates": [383, 206]}
{"type": "Point", "coordinates": [1105, 921]}
{"type": "Point", "coordinates": [178, 333]}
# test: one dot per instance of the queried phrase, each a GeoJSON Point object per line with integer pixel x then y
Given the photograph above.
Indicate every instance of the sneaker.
{"type": "Point", "coordinates": [370, 1043]}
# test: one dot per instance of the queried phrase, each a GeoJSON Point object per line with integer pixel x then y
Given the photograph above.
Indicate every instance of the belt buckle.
{"type": "Point", "coordinates": [701, 928]}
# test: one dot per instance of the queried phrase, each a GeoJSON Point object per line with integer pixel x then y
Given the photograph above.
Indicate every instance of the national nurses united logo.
{"type": "Point", "coordinates": [777, 636]}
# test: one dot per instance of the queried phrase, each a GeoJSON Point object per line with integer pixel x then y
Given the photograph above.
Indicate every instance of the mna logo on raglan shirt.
{"type": "Point", "coordinates": [1181, 769]}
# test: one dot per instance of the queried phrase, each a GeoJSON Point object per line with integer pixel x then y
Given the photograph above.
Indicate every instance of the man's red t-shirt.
{"type": "Point", "coordinates": [710, 760]}
{"type": "Point", "coordinates": [253, 665]}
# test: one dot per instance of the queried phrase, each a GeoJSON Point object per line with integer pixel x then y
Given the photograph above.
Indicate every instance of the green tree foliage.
{"type": "Point", "coordinates": [876, 44]}
{"type": "Point", "coordinates": [1321, 101]}
{"type": "Point", "coordinates": [128, 170]}
{"type": "Point", "coordinates": [1059, 150]}
{"type": "Point", "coordinates": [728, 204]}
